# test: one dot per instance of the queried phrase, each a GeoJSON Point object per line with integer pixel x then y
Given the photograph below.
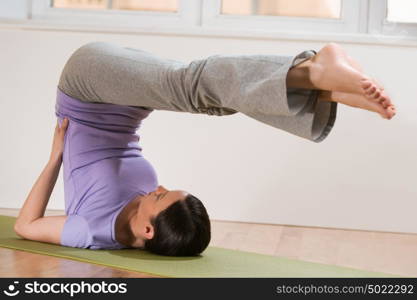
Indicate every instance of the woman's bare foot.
{"type": "Point", "coordinates": [377, 92]}
{"type": "Point", "coordinates": [332, 70]}
{"type": "Point", "coordinates": [358, 101]}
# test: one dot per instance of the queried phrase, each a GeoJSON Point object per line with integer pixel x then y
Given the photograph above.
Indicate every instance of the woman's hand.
{"type": "Point", "coordinates": [58, 142]}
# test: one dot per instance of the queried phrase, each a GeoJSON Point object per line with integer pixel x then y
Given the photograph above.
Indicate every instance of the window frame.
{"type": "Point", "coordinates": [379, 24]}
{"type": "Point", "coordinates": [11, 10]}
{"type": "Point", "coordinates": [350, 20]}
{"type": "Point", "coordinates": [185, 16]}
{"type": "Point", "coordinates": [193, 19]}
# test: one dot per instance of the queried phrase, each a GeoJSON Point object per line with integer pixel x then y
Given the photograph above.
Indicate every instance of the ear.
{"type": "Point", "coordinates": [149, 231]}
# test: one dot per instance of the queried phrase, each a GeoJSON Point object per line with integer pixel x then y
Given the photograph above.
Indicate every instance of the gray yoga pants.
{"type": "Point", "coordinates": [219, 85]}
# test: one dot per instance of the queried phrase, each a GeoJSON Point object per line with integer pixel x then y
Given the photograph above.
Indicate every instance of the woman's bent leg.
{"type": "Point", "coordinates": [254, 85]}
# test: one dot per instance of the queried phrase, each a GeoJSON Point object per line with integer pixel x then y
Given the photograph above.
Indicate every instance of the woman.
{"type": "Point", "coordinates": [112, 196]}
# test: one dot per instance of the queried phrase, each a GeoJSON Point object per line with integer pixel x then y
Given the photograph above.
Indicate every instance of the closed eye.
{"type": "Point", "coordinates": [161, 196]}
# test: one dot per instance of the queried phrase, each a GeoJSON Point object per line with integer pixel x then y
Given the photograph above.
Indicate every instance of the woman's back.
{"type": "Point", "coordinates": [103, 168]}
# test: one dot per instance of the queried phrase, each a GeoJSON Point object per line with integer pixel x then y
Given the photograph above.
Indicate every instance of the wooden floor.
{"type": "Point", "coordinates": [374, 251]}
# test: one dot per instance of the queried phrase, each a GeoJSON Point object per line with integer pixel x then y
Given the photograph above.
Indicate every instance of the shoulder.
{"type": "Point", "coordinates": [76, 232]}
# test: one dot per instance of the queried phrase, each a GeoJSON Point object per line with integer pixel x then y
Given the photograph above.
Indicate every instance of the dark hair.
{"type": "Point", "coordinates": [182, 229]}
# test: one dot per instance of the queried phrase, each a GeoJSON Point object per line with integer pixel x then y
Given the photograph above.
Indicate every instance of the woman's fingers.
{"type": "Point", "coordinates": [64, 124]}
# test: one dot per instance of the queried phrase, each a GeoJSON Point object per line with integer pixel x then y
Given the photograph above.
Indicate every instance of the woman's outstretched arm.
{"type": "Point", "coordinates": [31, 223]}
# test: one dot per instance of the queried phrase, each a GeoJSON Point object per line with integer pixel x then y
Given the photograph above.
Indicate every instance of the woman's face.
{"type": "Point", "coordinates": [152, 204]}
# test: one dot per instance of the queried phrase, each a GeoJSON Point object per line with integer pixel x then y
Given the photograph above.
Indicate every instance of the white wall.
{"type": "Point", "coordinates": [363, 176]}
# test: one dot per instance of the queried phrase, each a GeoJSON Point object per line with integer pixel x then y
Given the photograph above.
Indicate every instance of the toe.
{"type": "Point", "coordinates": [386, 113]}
{"type": "Point", "coordinates": [373, 96]}
{"type": "Point", "coordinates": [366, 84]}
{"type": "Point", "coordinates": [391, 112]}
{"type": "Point", "coordinates": [370, 91]}
{"type": "Point", "coordinates": [376, 107]}
{"type": "Point", "coordinates": [385, 99]}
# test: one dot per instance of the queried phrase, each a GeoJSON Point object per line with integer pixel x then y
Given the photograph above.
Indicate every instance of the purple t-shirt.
{"type": "Point", "coordinates": [104, 169]}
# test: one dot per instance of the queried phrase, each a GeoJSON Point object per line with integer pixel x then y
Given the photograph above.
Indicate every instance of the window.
{"type": "Point", "coordinates": [289, 8]}
{"type": "Point", "coordinates": [395, 18]}
{"type": "Point", "coordinates": [403, 11]}
{"type": "Point", "coordinates": [318, 16]}
{"type": "Point", "coordinates": [364, 20]}
{"type": "Point", "coordinates": [147, 5]}
{"type": "Point", "coordinates": [116, 14]}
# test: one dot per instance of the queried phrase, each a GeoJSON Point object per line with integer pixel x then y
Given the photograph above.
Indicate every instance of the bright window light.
{"type": "Point", "coordinates": [148, 5]}
{"type": "Point", "coordinates": [289, 8]}
{"type": "Point", "coordinates": [403, 11]}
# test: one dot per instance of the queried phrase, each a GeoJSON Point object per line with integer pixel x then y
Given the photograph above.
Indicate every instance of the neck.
{"type": "Point", "coordinates": [134, 240]}
{"type": "Point", "coordinates": [128, 220]}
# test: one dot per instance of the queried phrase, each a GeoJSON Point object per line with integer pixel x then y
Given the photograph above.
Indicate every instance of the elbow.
{"type": "Point", "coordinates": [18, 229]}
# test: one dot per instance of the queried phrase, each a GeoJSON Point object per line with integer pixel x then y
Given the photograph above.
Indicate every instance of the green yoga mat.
{"type": "Point", "coordinates": [214, 262]}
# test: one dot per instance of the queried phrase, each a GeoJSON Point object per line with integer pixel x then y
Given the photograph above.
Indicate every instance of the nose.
{"type": "Point", "coordinates": [161, 189]}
